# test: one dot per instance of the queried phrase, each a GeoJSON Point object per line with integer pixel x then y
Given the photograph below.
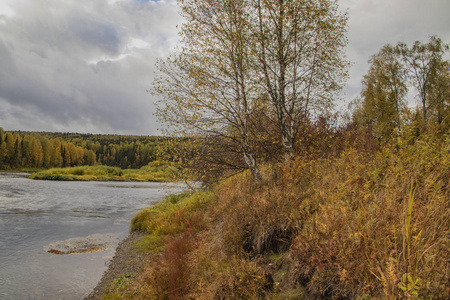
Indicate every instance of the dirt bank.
{"type": "Point", "coordinates": [127, 260]}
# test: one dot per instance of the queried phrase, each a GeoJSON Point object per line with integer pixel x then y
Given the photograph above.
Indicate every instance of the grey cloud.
{"type": "Point", "coordinates": [7, 64]}
{"type": "Point", "coordinates": [76, 65]}
{"type": "Point", "coordinates": [373, 24]}
{"type": "Point", "coordinates": [98, 34]}
{"type": "Point", "coordinates": [83, 65]}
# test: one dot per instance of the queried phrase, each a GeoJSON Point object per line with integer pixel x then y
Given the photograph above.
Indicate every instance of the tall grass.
{"type": "Point", "coordinates": [356, 226]}
{"type": "Point", "coordinates": [374, 233]}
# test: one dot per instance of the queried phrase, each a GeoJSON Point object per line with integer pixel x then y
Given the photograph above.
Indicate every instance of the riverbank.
{"type": "Point", "coordinates": [360, 225]}
{"type": "Point", "coordinates": [127, 262]}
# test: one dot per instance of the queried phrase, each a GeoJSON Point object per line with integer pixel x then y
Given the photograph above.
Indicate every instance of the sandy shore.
{"type": "Point", "coordinates": [127, 260]}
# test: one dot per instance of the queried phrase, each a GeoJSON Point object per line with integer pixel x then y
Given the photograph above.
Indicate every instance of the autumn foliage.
{"type": "Point", "coordinates": [45, 150]}
{"type": "Point", "coordinates": [360, 211]}
{"type": "Point", "coordinates": [356, 223]}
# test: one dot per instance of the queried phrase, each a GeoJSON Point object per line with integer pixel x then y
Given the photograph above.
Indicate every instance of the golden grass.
{"type": "Point", "coordinates": [356, 226]}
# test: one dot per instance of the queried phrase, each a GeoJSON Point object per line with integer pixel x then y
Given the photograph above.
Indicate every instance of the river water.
{"type": "Point", "coordinates": [34, 214]}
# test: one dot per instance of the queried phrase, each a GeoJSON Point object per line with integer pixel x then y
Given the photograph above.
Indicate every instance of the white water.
{"type": "Point", "coordinates": [34, 214]}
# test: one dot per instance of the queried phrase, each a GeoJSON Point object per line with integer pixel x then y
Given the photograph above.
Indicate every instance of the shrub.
{"type": "Point", "coordinates": [169, 275]}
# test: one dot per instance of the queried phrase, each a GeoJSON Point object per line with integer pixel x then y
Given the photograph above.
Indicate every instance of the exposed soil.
{"type": "Point", "coordinates": [127, 260]}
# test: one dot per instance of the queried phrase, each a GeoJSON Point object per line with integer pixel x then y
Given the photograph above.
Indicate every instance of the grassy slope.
{"type": "Point", "coordinates": [155, 171]}
{"type": "Point", "coordinates": [358, 226]}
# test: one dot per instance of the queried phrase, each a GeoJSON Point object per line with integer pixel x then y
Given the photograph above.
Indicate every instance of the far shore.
{"type": "Point", "coordinates": [154, 172]}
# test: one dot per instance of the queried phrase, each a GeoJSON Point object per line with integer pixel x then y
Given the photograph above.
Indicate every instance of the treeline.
{"type": "Point", "coordinates": [383, 102]}
{"type": "Point", "coordinates": [49, 150]}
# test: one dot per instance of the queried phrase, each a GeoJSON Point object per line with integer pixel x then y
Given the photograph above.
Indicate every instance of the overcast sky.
{"type": "Point", "coordinates": [86, 65]}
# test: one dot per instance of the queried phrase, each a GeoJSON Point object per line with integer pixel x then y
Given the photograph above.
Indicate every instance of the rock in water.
{"type": "Point", "coordinates": [91, 243]}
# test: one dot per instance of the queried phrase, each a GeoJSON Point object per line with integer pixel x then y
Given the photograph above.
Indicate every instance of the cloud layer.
{"type": "Point", "coordinates": [86, 66]}
{"type": "Point", "coordinates": [374, 23]}
{"type": "Point", "coordinates": [82, 66]}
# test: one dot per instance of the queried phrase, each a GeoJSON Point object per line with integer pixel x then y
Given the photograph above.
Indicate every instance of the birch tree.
{"type": "Point", "coordinates": [240, 56]}
{"type": "Point", "coordinates": [299, 48]}
{"type": "Point", "coordinates": [422, 62]}
{"type": "Point", "coordinates": [383, 96]}
{"type": "Point", "coordinates": [207, 86]}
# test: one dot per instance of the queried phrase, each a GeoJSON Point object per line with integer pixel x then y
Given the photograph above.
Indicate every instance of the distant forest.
{"type": "Point", "coordinates": [19, 149]}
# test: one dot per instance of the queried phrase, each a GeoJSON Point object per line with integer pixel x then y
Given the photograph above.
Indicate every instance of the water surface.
{"type": "Point", "coordinates": [35, 213]}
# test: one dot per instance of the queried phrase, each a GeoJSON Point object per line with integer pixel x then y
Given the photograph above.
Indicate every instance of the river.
{"type": "Point", "coordinates": [34, 214]}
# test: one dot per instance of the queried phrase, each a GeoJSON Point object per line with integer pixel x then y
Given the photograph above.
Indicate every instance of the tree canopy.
{"type": "Point", "coordinates": [49, 149]}
{"type": "Point", "coordinates": [383, 94]}
{"type": "Point", "coordinates": [245, 63]}
{"type": "Point", "coordinates": [383, 97]}
{"type": "Point", "coordinates": [424, 63]}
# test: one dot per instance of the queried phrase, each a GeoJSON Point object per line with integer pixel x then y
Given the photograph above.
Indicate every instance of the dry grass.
{"type": "Point", "coordinates": [382, 225]}
{"type": "Point", "coordinates": [355, 226]}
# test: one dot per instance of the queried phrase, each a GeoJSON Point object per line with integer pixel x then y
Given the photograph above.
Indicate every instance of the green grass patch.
{"type": "Point", "coordinates": [177, 214]}
{"type": "Point", "coordinates": [154, 171]}
{"type": "Point", "coordinates": [151, 243]}
{"type": "Point", "coordinates": [174, 215]}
